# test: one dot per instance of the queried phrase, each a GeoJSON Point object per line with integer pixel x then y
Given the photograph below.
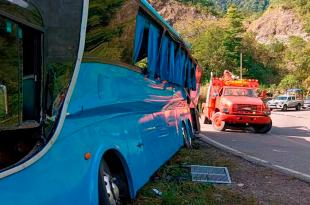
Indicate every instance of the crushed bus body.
{"type": "Point", "coordinates": [234, 103]}
{"type": "Point", "coordinates": [95, 96]}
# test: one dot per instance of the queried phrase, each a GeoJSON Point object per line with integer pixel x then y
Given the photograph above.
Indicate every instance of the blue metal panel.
{"type": "Point", "coordinates": [164, 59]}
{"type": "Point", "coordinates": [111, 108]}
{"type": "Point", "coordinates": [153, 50]}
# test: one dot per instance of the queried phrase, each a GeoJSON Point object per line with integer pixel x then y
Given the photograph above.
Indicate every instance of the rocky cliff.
{"type": "Point", "coordinates": [175, 11]}
{"type": "Point", "coordinates": [278, 24]}
{"type": "Point", "coordinates": [187, 19]}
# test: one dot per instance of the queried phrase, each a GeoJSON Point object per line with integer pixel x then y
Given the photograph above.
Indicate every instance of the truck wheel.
{"type": "Point", "coordinates": [298, 107]}
{"type": "Point", "coordinates": [262, 129]}
{"type": "Point", "coordinates": [284, 108]}
{"type": "Point", "coordinates": [217, 123]}
{"type": "Point", "coordinates": [207, 121]}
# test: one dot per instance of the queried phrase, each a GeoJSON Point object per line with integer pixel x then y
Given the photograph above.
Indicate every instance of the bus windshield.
{"type": "Point", "coordinates": [11, 61]}
{"type": "Point", "coordinates": [19, 75]}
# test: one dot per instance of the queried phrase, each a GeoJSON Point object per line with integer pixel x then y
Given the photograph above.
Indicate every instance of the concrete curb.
{"type": "Point", "coordinates": [255, 160]}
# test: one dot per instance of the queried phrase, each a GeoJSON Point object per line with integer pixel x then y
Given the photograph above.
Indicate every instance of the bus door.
{"type": "Point", "coordinates": [31, 74]}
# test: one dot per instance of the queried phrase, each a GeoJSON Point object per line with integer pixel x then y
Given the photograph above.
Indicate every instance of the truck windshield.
{"type": "Point", "coordinates": [246, 92]}
{"type": "Point", "coordinates": [281, 98]}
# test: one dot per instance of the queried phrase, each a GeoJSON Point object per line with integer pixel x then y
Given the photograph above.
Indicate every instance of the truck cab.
{"type": "Point", "coordinates": [235, 103]}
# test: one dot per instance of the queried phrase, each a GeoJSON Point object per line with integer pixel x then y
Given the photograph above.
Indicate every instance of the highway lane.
{"type": "Point", "coordinates": [287, 145]}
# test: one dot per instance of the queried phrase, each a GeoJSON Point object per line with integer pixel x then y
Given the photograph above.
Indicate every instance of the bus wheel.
{"type": "Point", "coordinates": [109, 192]}
{"type": "Point", "coordinates": [284, 108]}
{"type": "Point", "coordinates": [263, 129]}
{"type": "Point", "coordinates": [217, 123]}
{"type": "Point", "coordinates": [298, 107]}
{"type": "Point", "coordinates": [187, 141]}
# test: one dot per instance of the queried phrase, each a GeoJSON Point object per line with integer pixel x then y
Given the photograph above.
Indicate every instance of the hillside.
{"type": "Point", "coordinates": [188, 19]}
{"type": "Point", "coordinates": [273, 37]}
{"type": "Point", "coordinates": [222, 5]}
{"type": "Point", "coordinates": [174, 11]}
{"type": "Point", "coordinates": [245, 5]}
{"type": "Point", "coordinates": [278, 24]}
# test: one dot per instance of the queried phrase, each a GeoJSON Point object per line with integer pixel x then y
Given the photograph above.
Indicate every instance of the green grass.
{"type": "Point", "coordinates": [173, 180]}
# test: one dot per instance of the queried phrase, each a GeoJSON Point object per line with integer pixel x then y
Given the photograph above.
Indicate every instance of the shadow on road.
{"type": "Point", "coordinates": [296, 131]}
{"type": "Point", "coordinates": [291, 110]}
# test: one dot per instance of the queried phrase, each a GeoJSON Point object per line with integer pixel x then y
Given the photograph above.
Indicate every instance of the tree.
{"type": "Point", "coordinates": [233, 38]}
{"type": "Point", "coordinates": [209, 50]}
{"type": "Point", "coordinates": [289, 81]}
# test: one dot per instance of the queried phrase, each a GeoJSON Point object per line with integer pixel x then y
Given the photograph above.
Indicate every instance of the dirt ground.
{"type": "Point", "coordinates": [251, 183]}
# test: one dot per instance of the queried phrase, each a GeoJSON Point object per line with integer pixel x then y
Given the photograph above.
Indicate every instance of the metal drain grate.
{"type": "Point", "coordinates": [209, 174]}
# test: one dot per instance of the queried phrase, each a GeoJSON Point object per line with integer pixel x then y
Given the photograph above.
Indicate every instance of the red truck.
{"type": "Point", "coordinates": [234, 103]}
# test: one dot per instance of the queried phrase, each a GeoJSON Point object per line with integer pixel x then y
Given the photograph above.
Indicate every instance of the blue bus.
{"type": "Point", "coordinates": [95, 95]}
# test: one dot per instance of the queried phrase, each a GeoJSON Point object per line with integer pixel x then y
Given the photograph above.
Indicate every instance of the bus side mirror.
{"type": "Point", "coordinates": [3, 101]}
{"type": "Point", "coordinates": [215, 95]}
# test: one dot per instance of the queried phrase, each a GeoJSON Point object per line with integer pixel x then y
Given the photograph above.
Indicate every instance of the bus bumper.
{"type": "Point", "coordinates": [245, 119]}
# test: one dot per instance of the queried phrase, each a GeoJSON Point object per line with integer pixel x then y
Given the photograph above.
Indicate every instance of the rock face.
{"type": "Point", "coordinates": [278, 24]}
{"type": "Point", "coordinates": [188, 20]}
{"type": "Point", "coordinates": [175, 12]}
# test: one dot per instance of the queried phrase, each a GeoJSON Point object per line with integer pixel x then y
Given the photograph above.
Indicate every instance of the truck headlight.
{"type": "Point", "coordinates": [226, 109]}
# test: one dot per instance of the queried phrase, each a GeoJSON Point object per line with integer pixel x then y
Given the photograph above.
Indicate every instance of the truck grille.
{"type": "Point", "coordinates": [247, 109]}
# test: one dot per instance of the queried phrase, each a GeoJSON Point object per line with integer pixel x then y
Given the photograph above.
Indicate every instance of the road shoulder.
{"type": "Point", "coordinates": [255, 160]}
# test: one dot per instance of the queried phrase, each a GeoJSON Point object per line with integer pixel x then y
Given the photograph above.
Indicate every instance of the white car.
{"type": "Point", "coordinates": [285, 102]}
{"type": "Point", "coordinates": [306, 103]}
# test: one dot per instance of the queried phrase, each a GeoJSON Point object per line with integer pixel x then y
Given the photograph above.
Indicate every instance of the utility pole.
{"type": "Point", "coordinates": [241, 66]}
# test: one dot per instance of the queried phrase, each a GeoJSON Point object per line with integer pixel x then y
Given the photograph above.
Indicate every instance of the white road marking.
{"type": "Point", "coordinates": [290, 139]}
{"type": "Point", "coordinates": [280, 151]}
{"type": "Point", "coordinates": [253, 159]}
{"type": "Point", "coordinates": [292, 171]}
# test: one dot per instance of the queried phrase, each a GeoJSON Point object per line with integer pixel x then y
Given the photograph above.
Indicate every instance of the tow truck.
{"type": "Point", "coordinates": [233, 102]}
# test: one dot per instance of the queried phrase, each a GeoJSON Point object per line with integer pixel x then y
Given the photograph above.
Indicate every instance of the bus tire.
{"type": "Point", "coordinates": [191, 130]}
{"type": "Point", "coordinates": [217, 123]}
{"type": "Point", "coordinates": [187, 141]}
{"type": "Point", "coordinates": [298, 107]}
{"type": "Point", "coordinates": [110, 186]}
{"type": "Point", "coordinates": [263, 129]}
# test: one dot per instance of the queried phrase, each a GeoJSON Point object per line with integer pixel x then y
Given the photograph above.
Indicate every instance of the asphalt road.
{"type": "Point", "coordinates": [286, 146]}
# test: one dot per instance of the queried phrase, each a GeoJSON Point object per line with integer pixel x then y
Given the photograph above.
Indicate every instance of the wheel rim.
{"type": "Point", "coordinates": [217, 121]}
{"type": "Point", "coordinates": [111, 189]}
